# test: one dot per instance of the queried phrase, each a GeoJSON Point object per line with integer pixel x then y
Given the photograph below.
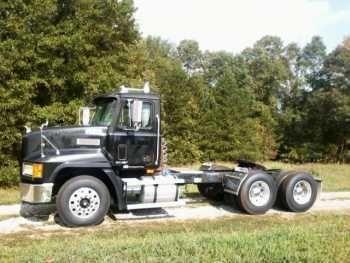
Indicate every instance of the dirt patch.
{"type": "Point", "coordinates": [9, 209]}
{"type": "Point", "coordinates": [336, 202]}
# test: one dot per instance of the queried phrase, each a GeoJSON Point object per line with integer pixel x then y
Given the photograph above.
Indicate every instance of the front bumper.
{"type": "Point", "coordinates": [36, 193]}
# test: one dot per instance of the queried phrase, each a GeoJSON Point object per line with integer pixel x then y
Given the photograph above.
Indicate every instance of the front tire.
{"type": "Point", "coordinates": [257, 194]}
{"type": "Point", "coordinates": [299, 192]}
{"type": "Point", "coordinates": [83, 201]}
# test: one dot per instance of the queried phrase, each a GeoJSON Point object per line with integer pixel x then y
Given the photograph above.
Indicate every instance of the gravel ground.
{"type": "Point", "coordinates": [197, 208]}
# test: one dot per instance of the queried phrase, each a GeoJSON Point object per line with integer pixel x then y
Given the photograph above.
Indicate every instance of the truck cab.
{"type": "Point", "coordinates": [113, 163]}
{"type": "Point", "coordinates": [132, 120]}
{"type": "Point", "coordinates": [121, 140]}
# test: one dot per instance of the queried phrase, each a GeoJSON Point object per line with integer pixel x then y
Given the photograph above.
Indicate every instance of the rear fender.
{"type": "Point", "coordinates": [232, 182]}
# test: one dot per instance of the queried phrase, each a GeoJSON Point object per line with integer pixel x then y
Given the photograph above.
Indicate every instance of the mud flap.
{"type": "Point", "coordinates": [319, 187]}
{"type": "Point", "coordinates": [232, 182]}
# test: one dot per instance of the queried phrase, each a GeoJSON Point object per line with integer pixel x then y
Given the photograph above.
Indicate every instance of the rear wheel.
{"type": "Point", "coordinates": [211, 191]}
{"type": "Point", "coordinates": [82, 201]}
{"type": "Point", "coordinates": [257, 194]}
{"type": "Point", "coordinates": [298, 192]}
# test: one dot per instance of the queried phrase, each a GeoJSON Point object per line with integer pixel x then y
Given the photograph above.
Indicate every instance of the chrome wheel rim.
{"type": "Point", "coordinates": [302, 192]}
{"type": "Point", "coordinates": [259, 193]}
{"type": "Point", "coordinates": [84, 202]}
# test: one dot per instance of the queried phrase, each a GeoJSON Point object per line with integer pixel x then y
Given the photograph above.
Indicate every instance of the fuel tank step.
{"type": "Point", "coordinates": [155, 205]}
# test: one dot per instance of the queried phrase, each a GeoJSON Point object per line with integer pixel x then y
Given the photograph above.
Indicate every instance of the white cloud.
{"type": "Point", "coordinates": [235, 24]}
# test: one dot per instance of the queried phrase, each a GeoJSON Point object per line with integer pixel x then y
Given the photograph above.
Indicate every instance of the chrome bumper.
{"type": "Point", "coordinates": [36, 193]}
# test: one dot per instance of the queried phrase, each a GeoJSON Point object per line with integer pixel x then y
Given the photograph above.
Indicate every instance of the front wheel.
{"type": "Point", "coordinates": [299, 192]}
{"type": "Point", "coordinates": [257, 194]}
{"type": "Point", "coordinates": [83, 201]}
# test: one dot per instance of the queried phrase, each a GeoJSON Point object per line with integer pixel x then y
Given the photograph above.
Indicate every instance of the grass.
{"type": "Point", "coordinates": [301, 238]}
{"type": "Point", "coordinates": [9, 196]}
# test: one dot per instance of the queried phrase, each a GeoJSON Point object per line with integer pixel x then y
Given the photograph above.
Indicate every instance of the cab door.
{"type": "Point", "coordinates": [136, 147]}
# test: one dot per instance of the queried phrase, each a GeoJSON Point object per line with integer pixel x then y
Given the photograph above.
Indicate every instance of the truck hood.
{"type": "Point", "coordinates": [62, 140]}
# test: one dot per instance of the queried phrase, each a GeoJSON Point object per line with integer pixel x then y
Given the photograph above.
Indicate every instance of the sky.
{"type": "Point", "coordinates": [233, 25]}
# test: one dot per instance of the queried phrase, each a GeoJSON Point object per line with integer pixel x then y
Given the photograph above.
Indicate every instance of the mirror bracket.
{"type": "Point", "coordinates": [137, 114]}
{"type": "Point", "coordinates": [84, 116]}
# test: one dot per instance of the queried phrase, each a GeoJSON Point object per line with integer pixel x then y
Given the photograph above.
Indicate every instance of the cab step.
{"type": "Point", "coordinates": [155, 205]}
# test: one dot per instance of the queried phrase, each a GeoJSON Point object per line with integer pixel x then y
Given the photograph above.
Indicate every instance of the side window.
{"type": "Point", "coordinates": [125, 120]}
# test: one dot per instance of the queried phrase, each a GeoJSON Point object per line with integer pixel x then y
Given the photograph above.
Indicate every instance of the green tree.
{"type": "Point", "coordinates": [232, 123]}
{"type": "Point", "coordinates": [271, 73]}
{"type": "Point", "coordinates": [268, 69]}
{"type": "Point", "coordinates": [54, 52]}
{"type": "Point", "coordinates": [316, 126]}
{"type": "Point", "coordinates": [311, 61]}
{"type": "Point", "coordinates": [181, 94]}
{"type": "Point", "coordinates": [190, 55]}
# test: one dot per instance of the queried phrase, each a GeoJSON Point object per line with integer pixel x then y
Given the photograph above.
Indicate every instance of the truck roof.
{"type": "Point", "coordinates": [129, 93]}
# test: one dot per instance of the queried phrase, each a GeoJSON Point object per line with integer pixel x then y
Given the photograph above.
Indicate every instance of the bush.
{"type": "Point", "coordinates": [9, 175]}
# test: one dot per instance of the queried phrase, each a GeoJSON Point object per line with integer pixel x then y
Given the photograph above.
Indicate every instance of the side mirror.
{"type": "Point", "coordinates": [137, 114]}
{"type": "Point", "coordinates": [84, 116]}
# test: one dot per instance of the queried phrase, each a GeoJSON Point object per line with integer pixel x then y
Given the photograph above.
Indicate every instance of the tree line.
{"type": "Point", "coordinates": [270, 101]}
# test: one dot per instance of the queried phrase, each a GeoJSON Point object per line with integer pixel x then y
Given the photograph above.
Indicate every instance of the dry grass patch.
{"type": "Point", "coordinates": [9, 196]}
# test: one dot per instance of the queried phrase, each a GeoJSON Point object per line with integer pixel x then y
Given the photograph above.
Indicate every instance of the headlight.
{"type": "Point", "coordinates": [34, 170]}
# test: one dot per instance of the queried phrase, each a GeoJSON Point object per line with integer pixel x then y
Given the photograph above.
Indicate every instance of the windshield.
{"type": "Point", "coordinates": [103, 113]}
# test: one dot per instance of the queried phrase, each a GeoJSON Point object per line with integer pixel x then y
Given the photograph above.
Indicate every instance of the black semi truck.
{"type": "Point", "coordinates": [113, 163]}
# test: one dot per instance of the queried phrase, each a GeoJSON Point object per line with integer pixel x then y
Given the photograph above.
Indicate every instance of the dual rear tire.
{"type": "Point", "coordinates": [256, 196]}
{"type": "Point", "coordinates": [298, 193]}
{"type": "Point", "coordinates": [259, 192]}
